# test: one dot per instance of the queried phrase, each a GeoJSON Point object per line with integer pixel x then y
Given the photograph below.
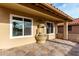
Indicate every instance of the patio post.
{"type": "Point", "coordinates": [56, 30]}
{"type": "Point", "coordinates": [65, 30]}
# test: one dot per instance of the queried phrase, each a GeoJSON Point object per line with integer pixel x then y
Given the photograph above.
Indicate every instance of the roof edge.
{"type": "Point", "coordinates": [58, 11]}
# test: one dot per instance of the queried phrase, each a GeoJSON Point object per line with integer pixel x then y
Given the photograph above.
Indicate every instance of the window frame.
{"type": "Point", "coordinates": [46, 27]}
{"type": "Point", "coordinates": [11, 27]}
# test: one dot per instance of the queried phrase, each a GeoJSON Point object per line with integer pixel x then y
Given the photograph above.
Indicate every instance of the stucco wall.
{"type": "Point", "coordinates": [5, 41]}
{"type": "Point", "coordinates": [75, 29]}
{"type": "Point", "coordinates": [74, 37]}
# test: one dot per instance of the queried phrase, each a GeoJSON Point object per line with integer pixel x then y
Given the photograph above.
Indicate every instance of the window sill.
{"type": "Point", "coordinates": [16, 37]}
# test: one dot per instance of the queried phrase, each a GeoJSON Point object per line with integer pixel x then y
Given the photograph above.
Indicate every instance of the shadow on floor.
{"type": "Point", "coordinates": [74, 51]}
{"type": "Point", "coordinates": [60, 43]}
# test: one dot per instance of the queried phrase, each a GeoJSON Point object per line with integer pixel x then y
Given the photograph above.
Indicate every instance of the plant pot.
{"type": "Point", "coordinates": [41, 38]}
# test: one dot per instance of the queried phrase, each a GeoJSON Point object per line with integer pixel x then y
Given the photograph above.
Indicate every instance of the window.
{"type": "Point", "coordinates": [21, 26]}
{"type": "Point", "coordinates": [49, 28]}
{"type": "Point", "coordinates": [69, 28]}
{"type": "Point", "coordinates": [17, 26]}
{"type": "Point", "coordinates": [27, 27]}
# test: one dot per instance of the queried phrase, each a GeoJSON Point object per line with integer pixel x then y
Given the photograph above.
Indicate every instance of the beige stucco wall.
{"type": "Point", "coordinates": [75, 29]}
{"type": "Point", "coordinates": [5, 41]}
{"type": "Point", "coordinates": [74, 37]}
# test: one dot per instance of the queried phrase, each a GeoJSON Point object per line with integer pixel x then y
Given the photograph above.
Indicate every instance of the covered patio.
{"type": "Point", "coordinates": [25, 45]}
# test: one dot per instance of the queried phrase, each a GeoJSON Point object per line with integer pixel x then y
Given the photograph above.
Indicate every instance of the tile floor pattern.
{"type": "Point", "coordinates": [56, 47]}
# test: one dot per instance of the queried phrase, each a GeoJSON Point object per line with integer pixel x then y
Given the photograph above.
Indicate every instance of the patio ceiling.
{"type": "Point", "coordinates": [25, 9]}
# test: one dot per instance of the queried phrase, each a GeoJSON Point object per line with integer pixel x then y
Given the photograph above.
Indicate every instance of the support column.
{"type": "Point", "coordinates": [65, 30]}
{"type": "Point", "coordinates": [56, 30]}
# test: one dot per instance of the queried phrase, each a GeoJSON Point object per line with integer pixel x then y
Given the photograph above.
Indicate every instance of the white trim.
{"type": "Point", "coordinates": [11, 30]}
{"type": "Point", "coordinates": [46, 28]}
{"type": "Point", "coordinates": [23, 26]}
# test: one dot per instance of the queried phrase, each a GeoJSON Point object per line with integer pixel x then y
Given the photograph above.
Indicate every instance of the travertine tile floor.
{"type": "Point", "coordinates": [56, 47]}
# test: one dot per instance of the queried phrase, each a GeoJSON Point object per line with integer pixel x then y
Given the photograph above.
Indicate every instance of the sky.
{"type": "Point", "coordinates": [71, 9]}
